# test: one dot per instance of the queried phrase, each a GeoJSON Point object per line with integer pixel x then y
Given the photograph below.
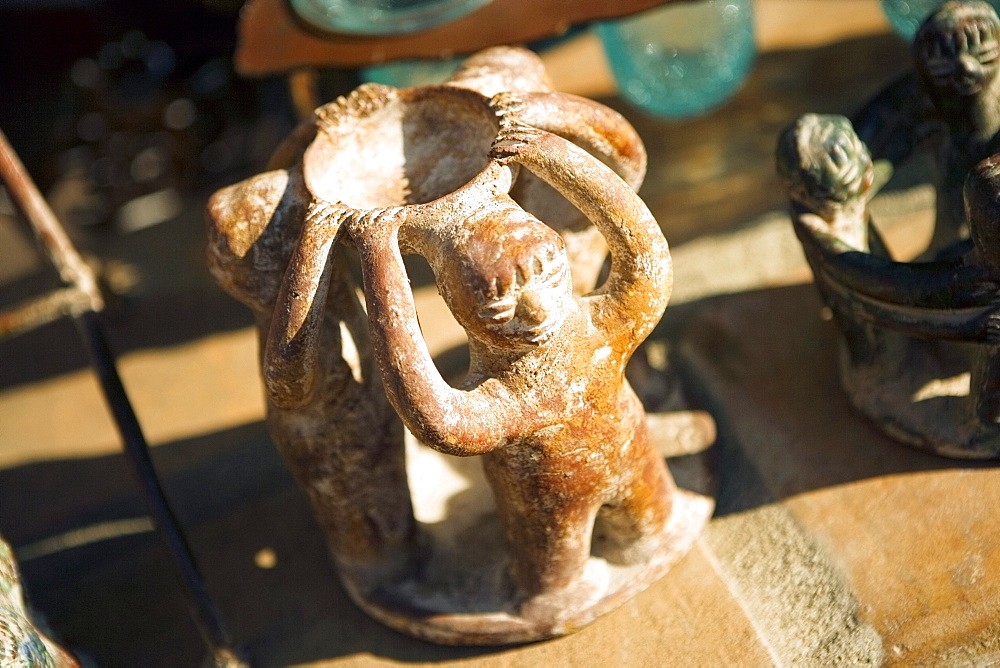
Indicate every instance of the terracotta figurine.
{"type": "Point", "coordinates": [564, 438]}
{"type": "Point", "coordinates": [546, 401]}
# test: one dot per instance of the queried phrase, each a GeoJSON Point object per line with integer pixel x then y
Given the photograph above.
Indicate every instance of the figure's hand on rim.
{"type": "Point", "coordinates": [507, 105]}
{"type": "Point", "coordinates": [984, 291]}
{"type": "Point", "coordinates": [363, 225]}
{"type": "Point", "coordinates": [321, 211]}
{"type": "Point", "coordinates": [512, 141]}
{"type": "Point", "coordinates": [993, 328]}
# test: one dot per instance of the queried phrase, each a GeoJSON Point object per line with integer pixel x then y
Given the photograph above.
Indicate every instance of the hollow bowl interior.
{"type": "Point", "coordinates": [420, 146]}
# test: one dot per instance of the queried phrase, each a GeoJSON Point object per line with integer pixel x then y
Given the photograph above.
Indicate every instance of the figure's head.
{"type": "Point", "coordinates": [982, 208]}
{"type": "Point", "coordinates": [508, 282]}
{"type": "Point", "coordinates": [956, 48]}
{"type": "Point", "coordinates": [823, 163]}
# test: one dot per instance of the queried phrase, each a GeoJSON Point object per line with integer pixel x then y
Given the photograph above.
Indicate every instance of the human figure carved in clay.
{"type": "Point", "coordinates": [326, 410]}
{"type": "Point", "coordinates": [953, 300]}
{"type": "Point", "coordinates": [957, 56]}
{"type": "Point", "coordinates": [563, 435]}
{"type": "Point", "coordinates": [829, 176]}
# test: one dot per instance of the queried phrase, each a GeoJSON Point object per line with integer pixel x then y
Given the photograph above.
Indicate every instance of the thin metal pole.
{"type": "Point", "coordinates": [38, 311]}
{"type": "Point", "coordinates": [72, 269]}
{"type": "Point", "coordinates": [75, 272]}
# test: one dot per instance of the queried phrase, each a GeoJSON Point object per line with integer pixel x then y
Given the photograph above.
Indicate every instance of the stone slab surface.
{"type": "Point", "coordinates": [908, 542]}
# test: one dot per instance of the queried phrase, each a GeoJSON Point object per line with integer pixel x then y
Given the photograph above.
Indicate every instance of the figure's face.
{"type": "Point", "coordinates": [962, 58]}
{"type": "Point", "coordinates": [528, 310]}
{"type": "Point", "coordinates": [513, 290]}
{"type": "Point", "coordinates": [844, 161]}
{"type": "Point", "coordinates": [829, 163]}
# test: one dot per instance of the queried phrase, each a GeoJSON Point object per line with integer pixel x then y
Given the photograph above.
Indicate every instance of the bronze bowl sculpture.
{"type": "Point", "coordinates": [919, 338]}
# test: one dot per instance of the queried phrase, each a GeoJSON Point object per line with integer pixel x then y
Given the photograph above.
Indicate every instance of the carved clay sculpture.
{"type": "Point", "coordinates": [951, 102]}
{"type": "Point", "coordinates": [430, 171]}
{"type": "Point", "coordinates": [326, 412]}
{"type": "Point", "coordinates": [900, 321]}
{"type": "Point", "coordinates": [22, 643]}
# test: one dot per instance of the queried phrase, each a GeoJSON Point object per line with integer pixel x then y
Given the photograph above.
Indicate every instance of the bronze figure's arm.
{"type": "Point", "coordinates": [897, 121]}
{"type": "Point", "coordinates": [957, 282]}
{"type": "Point", "coordinates": [956, 324]}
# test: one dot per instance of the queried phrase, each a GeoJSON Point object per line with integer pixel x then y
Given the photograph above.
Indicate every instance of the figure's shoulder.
{"type": "Point", "coordinates": [248, 217]}
{"type": "Point", "coordinates": [252, 229]}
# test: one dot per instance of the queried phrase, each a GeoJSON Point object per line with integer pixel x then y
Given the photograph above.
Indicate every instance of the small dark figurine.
{"type": "Point", "coordinates": [952, 102]}
{"type": "Point", "coordinates": [901, 366]}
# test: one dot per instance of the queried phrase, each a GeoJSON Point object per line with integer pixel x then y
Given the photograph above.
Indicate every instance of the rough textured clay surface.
{"type": "Point", "coordinates": [585, 511]}
{"type": "Point", "coordinates": [22, 643]}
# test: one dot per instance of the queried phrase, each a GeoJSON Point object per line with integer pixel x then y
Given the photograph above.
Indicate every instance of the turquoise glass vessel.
{"type": "Point", "coordinates": [682, 59]}
{"type": "Point", "coordinates": [905, 16]}
{"type": "Point", "coordinates": [407, 73]}
{"type": "Point", "coordinates": [381, 17]}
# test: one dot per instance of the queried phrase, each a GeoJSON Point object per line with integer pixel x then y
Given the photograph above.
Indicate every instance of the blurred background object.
{"type": "Point", "coordinates": [905, 16]}
{"type": "Point", "coordinates": [683, 59]}
{"type": "Point", "coordinates": [381, 17]}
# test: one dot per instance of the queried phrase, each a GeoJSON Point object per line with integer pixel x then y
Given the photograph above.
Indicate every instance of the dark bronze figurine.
{"type": "Point", "coordinates": [950, 105]}
{"type": "Point", "coordinates": [901, 364]}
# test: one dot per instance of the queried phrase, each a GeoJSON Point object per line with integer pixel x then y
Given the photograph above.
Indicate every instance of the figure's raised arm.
{"type": "Point", "coordinates": [897, 121]}
{"type": "Point", "coordinates": [641, 277]}
{"type": "Point", "coordinates": [601, 131]}
{"type": "Point", "coordinates": [289, 366]}
{"type": "Point", "coordinates": [456, 422]}
{"type": "Point", "coordinates": [953, 283]}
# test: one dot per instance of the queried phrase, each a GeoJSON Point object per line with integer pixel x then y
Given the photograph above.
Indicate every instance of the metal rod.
{"type": "Point", "coordinates": [78, 275]}
{"type": "Point", "coordinates": [38, 311]}
{"type": "Point", "coordinates": [206, 614]}
{"type": "Point", "coordinates": [72, 269]}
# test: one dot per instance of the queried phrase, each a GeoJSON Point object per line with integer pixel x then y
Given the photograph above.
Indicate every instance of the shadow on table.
{"type": "Point", "coordinates": [262, 555]}
{"type": "Point", "coordinates": [117, 600]}
{"type": "Point", "coordinates": [764, 362]}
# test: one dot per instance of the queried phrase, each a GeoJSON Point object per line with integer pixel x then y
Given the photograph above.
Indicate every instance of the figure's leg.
{"type": "Point", "coordinates": [548, 526]}
{"type": "Point", "coordinates": [631, 527]}
{"type": "Point", "coordinates": [350, 462]}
